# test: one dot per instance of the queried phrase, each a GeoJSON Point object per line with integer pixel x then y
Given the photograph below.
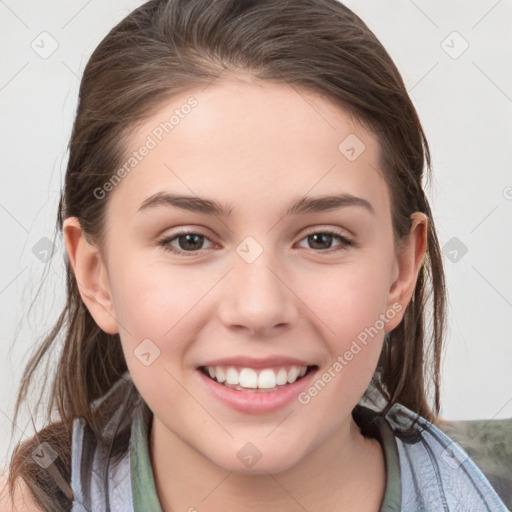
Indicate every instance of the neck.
{"type": "Point", "coordinates": [346, 472]}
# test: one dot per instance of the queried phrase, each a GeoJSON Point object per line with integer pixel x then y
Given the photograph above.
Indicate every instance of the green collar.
{"type": "Point", "coordinates": [393, 494]}
{"type": "Point", "coordinates": [143, 485]}
{"type": "Point", "coordinates": [144, 492]}
{"type": "Point", "coordinates": [376, 427]}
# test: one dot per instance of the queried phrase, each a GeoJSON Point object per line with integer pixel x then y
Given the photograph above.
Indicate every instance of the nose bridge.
{"type": "Point", "coordinates": [258, 296]}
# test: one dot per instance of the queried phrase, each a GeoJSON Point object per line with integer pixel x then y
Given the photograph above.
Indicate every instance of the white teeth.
{"type": "Point", "coordinates": [282, 377]}
{"type": "Point", "coordinates": [219, 374]}
{"type": "Point", "coordinates": [266, 379]}
{"type": "Point", "coordinates": [250, 378]}
{"type": "Point", "coordinates": [293, 373]}
{"type": "Point", "coordinates": [232, 376]}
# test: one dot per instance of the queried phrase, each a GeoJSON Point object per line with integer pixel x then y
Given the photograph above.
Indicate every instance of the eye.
{"type": "Point", "coordinates": [188, 241]}
{"type": "Point", "coordinates": [319, 239]}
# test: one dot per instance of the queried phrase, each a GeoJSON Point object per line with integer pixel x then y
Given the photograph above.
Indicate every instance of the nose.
{"type": "Point", "coordinates": [258, 297]}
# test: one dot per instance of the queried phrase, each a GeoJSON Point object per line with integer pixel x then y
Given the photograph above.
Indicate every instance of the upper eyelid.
{"type": "Point", "coordinates": [309, 231]}
{"type": "Point", "coordinates": [347, 240]}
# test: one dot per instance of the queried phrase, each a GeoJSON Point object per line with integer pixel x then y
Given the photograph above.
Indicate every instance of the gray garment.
{"type": "Point", "coordinates": [98, 484]}
{"type": "Point", "coordinates": [87, 476]}
{"type": "Point", "coordinates": [436, 473]}
{"type": "Point", "coordinates": [426, 470]}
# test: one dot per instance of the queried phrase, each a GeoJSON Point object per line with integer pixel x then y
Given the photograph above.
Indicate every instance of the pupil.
{"type": "Point", "coordinates": [317, 238]}
{"type": "Point", "coordinates": [188, 238]}
{"type": "Point", "coordinates": [327, 239]}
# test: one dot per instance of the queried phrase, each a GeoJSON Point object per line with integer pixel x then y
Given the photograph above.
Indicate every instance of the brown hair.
{"type": "Point", "coordinates": [167, 47]}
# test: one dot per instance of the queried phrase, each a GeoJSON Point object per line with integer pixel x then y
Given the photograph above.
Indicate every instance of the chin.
{"type": "Point", "coordinates": [249, 460]}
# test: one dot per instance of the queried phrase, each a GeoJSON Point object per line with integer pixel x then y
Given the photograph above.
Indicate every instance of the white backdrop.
{"type": "Point", "coordinates": [456, 59]}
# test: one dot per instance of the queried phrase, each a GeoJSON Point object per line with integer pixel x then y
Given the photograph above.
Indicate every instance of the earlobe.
{"type": "Point", "coordinates": [91, 276]}
{"type": "Point", "coordinates": [409, 260]}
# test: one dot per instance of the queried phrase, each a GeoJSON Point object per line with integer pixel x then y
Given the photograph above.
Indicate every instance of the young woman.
{"type": "Point", "coordinates": [250, 258]}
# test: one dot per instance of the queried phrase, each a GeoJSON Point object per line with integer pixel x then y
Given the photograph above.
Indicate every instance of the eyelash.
{"type": "Point", "coordinates": [165, 242]}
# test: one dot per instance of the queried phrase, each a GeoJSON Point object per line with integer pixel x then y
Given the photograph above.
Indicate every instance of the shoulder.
{"type": "Point", "coordinates": [22, 497]}
{"type": "Point", "coordinates": [40, 467]}
{"type": "Point", "coordinates": [435, 467]}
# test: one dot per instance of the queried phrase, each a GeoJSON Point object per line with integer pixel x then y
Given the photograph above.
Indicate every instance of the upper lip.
{"type": "Point", "coordinates": [253, 362]}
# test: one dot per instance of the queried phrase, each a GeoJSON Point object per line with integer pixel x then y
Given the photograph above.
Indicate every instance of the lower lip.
{"type": "Point", "coordinates": [257, 402]}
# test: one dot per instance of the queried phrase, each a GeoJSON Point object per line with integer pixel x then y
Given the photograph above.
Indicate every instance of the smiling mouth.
{"type": "Point", "coordinates": [266, 381]}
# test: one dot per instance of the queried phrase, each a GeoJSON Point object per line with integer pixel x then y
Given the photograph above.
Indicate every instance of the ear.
{"type": "Point", "coordinates": [91, 276]}
{"type": "Point", "coordinates": [408, 262]}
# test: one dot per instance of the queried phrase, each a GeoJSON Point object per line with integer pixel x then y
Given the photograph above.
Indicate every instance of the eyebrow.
{"type": "Point", "coordinates": [297, 206]}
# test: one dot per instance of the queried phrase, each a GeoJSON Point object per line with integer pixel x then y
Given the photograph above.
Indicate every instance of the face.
{"type": "Point", "coordinates": [252, 286]}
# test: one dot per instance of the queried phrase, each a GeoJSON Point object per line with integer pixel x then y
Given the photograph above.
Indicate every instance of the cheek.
{"type": "Point", "coordinates": [350, 299]}
{"type": "Point", "coordinates": [351, 303]}
{"type": "Point", "coordinates": [150, 298]}
{"type": "Point", "coordinates": [152, 304]}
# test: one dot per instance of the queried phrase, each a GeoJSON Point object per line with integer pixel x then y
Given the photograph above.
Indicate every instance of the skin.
{"type": "Point", "coordinates": [22, 499]}
{"type": "Point", "coordinates": [255, 146]}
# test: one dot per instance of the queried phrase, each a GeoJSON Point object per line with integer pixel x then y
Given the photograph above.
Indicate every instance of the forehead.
{"type": "Point", "coordinates": [251, 143]}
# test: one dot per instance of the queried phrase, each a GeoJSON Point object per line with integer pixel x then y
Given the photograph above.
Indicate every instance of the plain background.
{"type": "Point", "coordinates": [464, 100]}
